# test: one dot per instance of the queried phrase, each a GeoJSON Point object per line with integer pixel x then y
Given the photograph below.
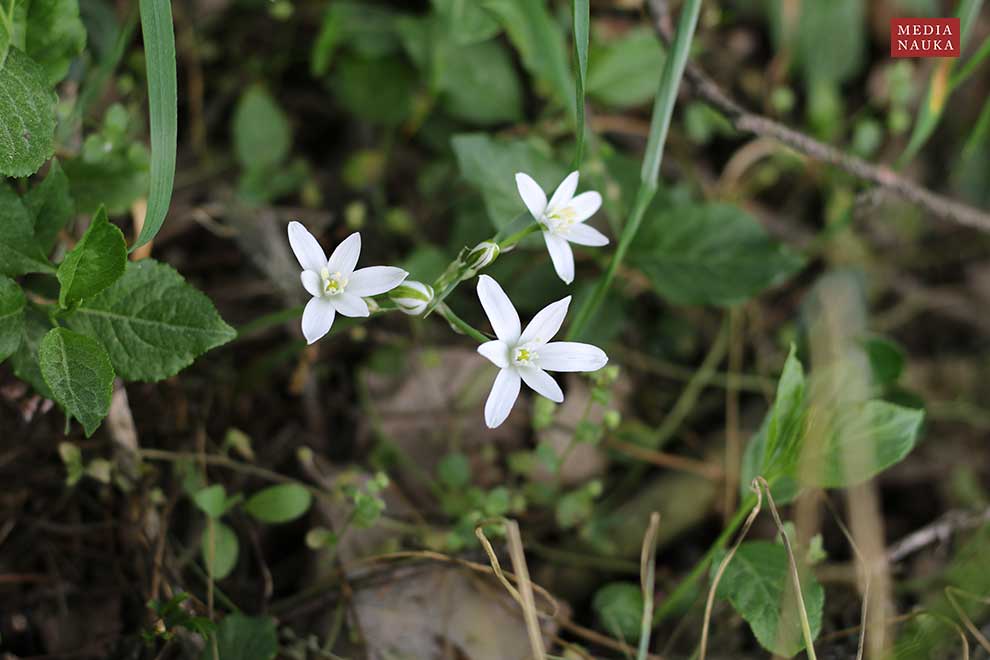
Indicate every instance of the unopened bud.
{"type": "Point", "coordinates": [412, 297]}
{"type": "Point", "coordinates": [481, 255]}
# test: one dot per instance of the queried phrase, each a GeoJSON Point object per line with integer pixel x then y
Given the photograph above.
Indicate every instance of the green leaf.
{"type": "Point", "coordinates": [25, 359]}
{"type": "Point", "coordinates": [626, 73]}
{"type": "Point", "coordinates": [862, 441]}
{"type": "Point", "coordinates": [97, 261]}
{"type": "Point", "coordinates": [244, 638]}
{"type": "Point", "coordinates": [19, 251]}
{"type": "Point", "coordinates": [51, 206]}
{"type": "Point", "coordinates": [279, 504]}
{"type": "Point", "coordinates": [619, 606]}
{"type": "Point", "coordinates": [159, 52]}
{"type": "Point", "coordinates": [78, 373]}
{"type": "Point", "coordinates": [758, 583]}
{"type": "Point", "coordinates": [225, 550]}
{"type": "Point", "coordinates": [491, 166]}
{"type": "Point", "coordinates": [377, 90]}
{"type": "Point", "coordinates": [710, 254]}
{"type": "Point", "coordinates": [540, 42]}
{"type": "Point", "coordinates": [785, 430]}
{"type": "Point", "coordinates": [11, 317]}
{"type": "Point", "coordinates": [115, 182]}
{"type": "Point", "coordinates": [840, 23]}
{"type": "Point", "coordinates": [466, 21]}
{"type": "Point", "coordinates": [152, 322]}
{"type": "Point", "coordinates": [478, 83]}
{"type": "Point", "coordinates": [262, 135]}
{"type": "Point", "coordinates": [581, 23]}
{"type": "Point", "coordinates": [211, 500]}
{"type": "Point", "coordinates": [886, 359]}
{"type": "Point", "coordinates": [369, 29]}
{"type": "Point", "coordinates": [27, 116]}
{"type": "Point", "coordinates": [55, 34]}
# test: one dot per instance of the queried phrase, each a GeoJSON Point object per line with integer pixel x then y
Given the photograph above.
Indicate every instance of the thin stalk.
{"type": "Point", "coordinates": [512, 240]}
{"type": "Point", "coordinates": [460, 324]}
{"type": "Point", "coordinates": [581, 13]}
{"type": "Point", "coordinates": [663, 110]}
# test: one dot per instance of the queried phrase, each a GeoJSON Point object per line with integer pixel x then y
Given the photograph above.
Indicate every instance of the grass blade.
{"type": "Point", "coordinates": [159, 49]}
{"type": "Point", "coordinates": [582, 19]}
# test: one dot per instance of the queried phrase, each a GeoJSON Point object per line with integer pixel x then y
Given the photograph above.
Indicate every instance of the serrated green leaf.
{"type": "Point", "coordinates": [279, 504]}
{"type": "Point", "coordinates": [11, 317]}
{"type": "Point", "coordinates": [97, 261]}
{"type": "Point", "coordinates": [242, 637]}
{"type": "Point", "coordinates": [491, 165]}
{"type": "Point", "coordinates": [152, 322]}
{"type": "Point", "coordinates": [50, 205]}
{"type": "Point", "coordinates": [54, 35]}
{"type": "Point", "coordinates": [262, 135]}
{"type": "Point", "coordinates": [19, 251]}
{"type": "Point", "coordinates": [25, 359]}
{"type": "Point", "coordinates": [710, 254]}
{"type": "Point", "coordinates": [79, 374]}
{"type": "Point", "coordinates": [211, 500]}
{"type": "Point", "coordinates": [27, 116]}
{"type": "Point", "coordinates": [225, 550]}
{"type": "Point", "coordinates": [758, 583]}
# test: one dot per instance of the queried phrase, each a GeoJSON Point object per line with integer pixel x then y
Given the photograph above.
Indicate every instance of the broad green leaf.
{"type": "Point", "coordinates": [159, 53]}
{"type": "Point", "coordinates": [619, 606]}
{"type": "Point", "coordinates": [11, 317]}
{"type": "Point", "coordinates": [262, 135]}
{"type": "Point", "coordinates": [758, 583]}
{"type": "Point", "coordinates": [369, 29]}
{"type": "Point", "coordinates": [96, 262]}
{"type": "Point", "coordinates": [279, 504]}
{"type": "Point", "coordinates": [19, 251]}
{"type": "Point", "coordinates": [466, 20]}
{"type": "Point", "coordinates": [152, 322]}
{"type": "Point", "coordinates": [491, 165]}
{"type": "Point", "coordinates": [862, 441]}
{"type": "Point", "coordinates": [54, 35]}
{"type": "Point", "coordinates": [710, 254]}
{"type": "Point", "coordinates": [79, 374]}
{"type": "Point", "coordinates": [225, 550]}
{"type": "Point", "coordinates": [241, 637]}
{"type": "Point", "coordinates": [478, 83]}
{"type": "Point", "coordinates": [540, 42]}
{"type": "Point", "coordinates": [211, 500]}
{"type": "Point", "coordinates": [25, 359]}
{"type": "Point", "coordinates": [886, 359]}
{"type": "Point", "coordinates": [377, 90]}
{"type": "Point", "coordinates": [115, 182]}
{"type": "Point", "coordinates": [27, 116]}
{"type": "Point", "coordinates": [626, 73]}
{"type": "Point", "coordinates": [50, 205]}
{"type": "Point", "coordinates": [785, 430]}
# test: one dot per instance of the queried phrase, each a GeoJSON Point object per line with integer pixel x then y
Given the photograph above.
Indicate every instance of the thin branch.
{"type": "Point", "coordinates": [706, 89]}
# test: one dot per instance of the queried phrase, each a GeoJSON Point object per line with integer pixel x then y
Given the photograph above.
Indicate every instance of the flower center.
{"type": "Point", "coordinates": [333, 283]}
{"type": "Point", "coordinates": [560, 221]}
{"type": "Point", "coordinates": [524, 356]}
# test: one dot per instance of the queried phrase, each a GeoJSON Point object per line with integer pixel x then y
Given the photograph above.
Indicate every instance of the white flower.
{"type": "Point", "coordinates": [412, 297]}
{"type": "Point", "coordinates": [333, 283]}
{"type": "Point", "coordinates": [527, 355]}
{"type": "Point", "coordinates": [562, 219]}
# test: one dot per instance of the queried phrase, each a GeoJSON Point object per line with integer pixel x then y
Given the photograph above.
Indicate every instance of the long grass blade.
{"type": "Point", "coordinates": [582, 18]}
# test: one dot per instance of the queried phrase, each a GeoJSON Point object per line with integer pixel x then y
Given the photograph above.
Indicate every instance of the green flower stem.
{"type": "Point", "coordinates": [676, 599]}
{"type": "Point", "coordinates": [663, 110]}
{"type": "Point", "coordinates": [461, 324]}
{"type": "Point", "coordinates": [512, 240]}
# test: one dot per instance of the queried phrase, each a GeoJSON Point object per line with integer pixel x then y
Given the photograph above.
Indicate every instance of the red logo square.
{"type": "Point", "coordinates": [924, 37]}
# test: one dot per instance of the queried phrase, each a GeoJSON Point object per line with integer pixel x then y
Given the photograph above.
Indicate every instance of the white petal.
{"type": "Point", "coordinates": [498, 307]}
{"type": "Point", "coordinates": [497, 352]}
{"type": "Point", "coordinates": [572, 356]}
{"type": "Point", "coordinates": [586, 205]}
{"type": "Point", "coordinates": [542, 383]}
{"type": "Point", "coordinates": [306, 248]}
{"type": "Point", "coordinates": [317, 319]}
{"type": "Point", "coordinates": [532, 195]}
{"type": "Point", "coordinates": [583, 234]}
{"type": "Point", "coordinates": [561, 256]}
{"type": "Point", "coordinates": [564, 192]}
{"type": "Point", "coordinates": [311, 282]}
{"type": "Point", "coordinates": [374, 280]}
{"type": "Point", "coordinates": [349, 304]}
{"type": "Point", "coordinates": [546, 323]}
{"type": "Point", "coordinates": [345, 257]}
{"type": "Point", "coordinates": [502, 397]}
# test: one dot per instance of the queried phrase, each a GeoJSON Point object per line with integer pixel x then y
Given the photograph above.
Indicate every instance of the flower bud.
{"type": "Point", "coordinates": [481, 255]}
{"type": "Point", "coordinates": [412, 297]}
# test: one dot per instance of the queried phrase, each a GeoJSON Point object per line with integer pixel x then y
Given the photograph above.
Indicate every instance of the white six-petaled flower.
{"type": "Point", "coordinates": [527, 355]}
{"type": "Point", "coordinates": [333, 283]}
{"type": "Point", "coordinates": [562, 219]}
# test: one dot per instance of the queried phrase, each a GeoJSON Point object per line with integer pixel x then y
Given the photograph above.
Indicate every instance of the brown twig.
{"type": "Point", "coordinates": [707, 90]}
